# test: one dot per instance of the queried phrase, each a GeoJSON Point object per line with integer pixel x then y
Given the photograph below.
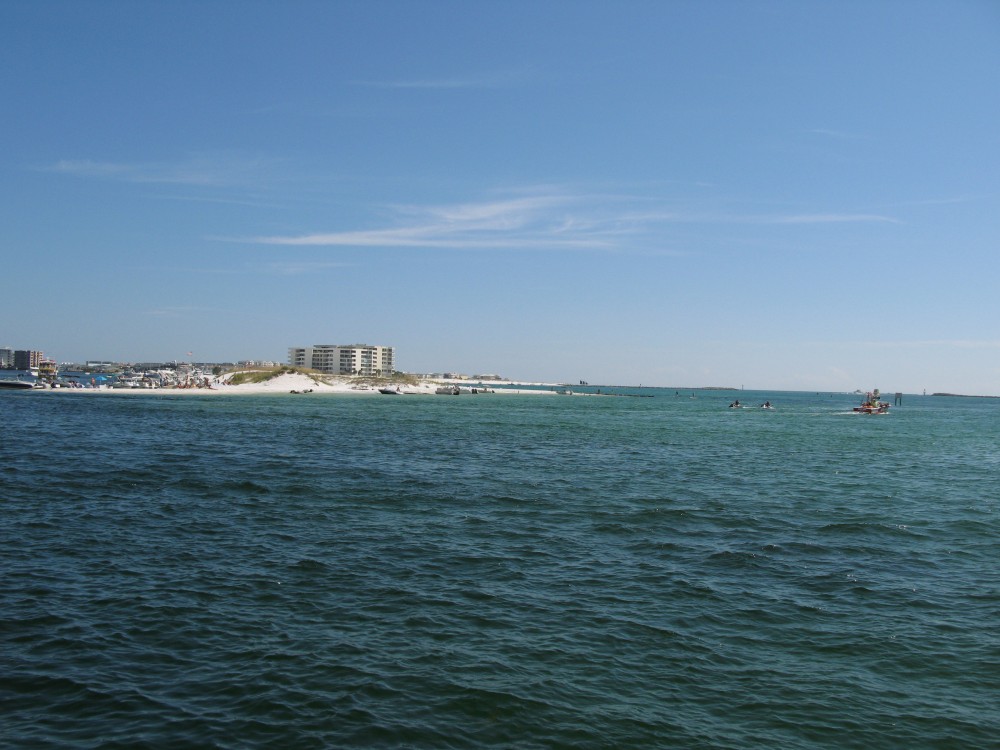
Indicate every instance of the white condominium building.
{"type": "Point", "coordinates": [339, 359]}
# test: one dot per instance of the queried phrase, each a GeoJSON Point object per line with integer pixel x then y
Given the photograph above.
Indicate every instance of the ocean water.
{"type": "Point", "coordinates": [498, 571]}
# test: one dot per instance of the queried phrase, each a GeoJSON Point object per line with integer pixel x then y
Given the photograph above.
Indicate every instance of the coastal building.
{"type": "Point", "coordinates": [26, 359]}
{"type": "Point", "coordinates": [345, 359]}
{"type": "Point", "coordinates": [6, 359]}
{"type": "Point", "coordinates": [47, 369]}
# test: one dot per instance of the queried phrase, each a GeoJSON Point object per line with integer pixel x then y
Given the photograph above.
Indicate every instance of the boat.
{"type": "Point", "coordinates": [127, 381]}
{"type": "Point", "coordinates": [872, 404]}
{"type": "Point", "coordinates": [389, 392]}
{"type": "Point", "coordinates": [447, 390]}
{"type": "Point", "coordinates": [19, 385]}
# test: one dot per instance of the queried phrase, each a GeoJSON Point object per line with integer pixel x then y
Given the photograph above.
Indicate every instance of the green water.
{"type": "Point", "coordinates": [498, 571]}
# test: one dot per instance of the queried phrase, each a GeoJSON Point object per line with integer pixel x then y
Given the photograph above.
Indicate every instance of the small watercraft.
{"type": "Point", "coordinates": [872, 404]}
{"type": "Point", "coordinates": [19, 385]}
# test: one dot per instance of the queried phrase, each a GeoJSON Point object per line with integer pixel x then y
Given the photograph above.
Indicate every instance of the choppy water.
{"type": "Point", "coordinates": [498, 571]}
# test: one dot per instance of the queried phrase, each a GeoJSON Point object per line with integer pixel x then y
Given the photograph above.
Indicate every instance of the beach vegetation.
{"type": "Point", "coordinates": [262, 375]}
{"type": "Point", "coordinates": [397, 378]}
{"type": "Point", "coordinates": [256, 376]}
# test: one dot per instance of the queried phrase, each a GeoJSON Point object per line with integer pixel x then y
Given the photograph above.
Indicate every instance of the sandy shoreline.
{"type": "Point", "coordinates": [301, 383]}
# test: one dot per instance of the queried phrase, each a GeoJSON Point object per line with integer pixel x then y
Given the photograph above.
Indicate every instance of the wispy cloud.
{"type": "Point", "coordinates": [709, 217]}
{"type": "Point", "coordinates": [293, 268]}
{"type": "Point", "coordinates": [204, 171]}
{"type": "Point", "coordinates": [828, 219]}
{"type": "Point", "coordinates": [536, 221]}
{"type": "Point", "coordinates": [946, 201]}
{"type": "Point", "coordinates": [544, 219]}
{"type": "Point", "coordinates": [226, 201]}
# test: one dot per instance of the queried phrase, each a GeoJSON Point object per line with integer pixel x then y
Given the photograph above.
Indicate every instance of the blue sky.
{"type": "Point", "coordinates": [778, 195]}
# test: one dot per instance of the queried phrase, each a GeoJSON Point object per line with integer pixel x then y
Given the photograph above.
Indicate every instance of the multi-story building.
{"type": "Point", "coordinates": [6, 359]}
{"type": "Point", "coordinates": [345, 359]}
{"type": "Point", "coordinates": [48, 369]}
{"type": "Point", "coordinates": [25, 359]}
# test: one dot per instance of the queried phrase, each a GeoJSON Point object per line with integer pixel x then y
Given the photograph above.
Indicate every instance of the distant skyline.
{"type": "Point", "coordinates": [776, 195]}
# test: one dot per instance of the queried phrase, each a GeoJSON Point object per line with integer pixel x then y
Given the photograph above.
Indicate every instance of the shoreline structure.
{"type": "Point", "coordinates": [303, 383]}
{"type": "Point", "coordinates": [299, 382]}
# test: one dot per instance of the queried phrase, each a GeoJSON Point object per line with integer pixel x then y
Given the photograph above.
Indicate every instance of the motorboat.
{"type": "Point", "coordinates": [447, 390]}
{"type": "Point", "coordinates": [18, 385]}
{"type": "Point", "coordinates": [872, 404]}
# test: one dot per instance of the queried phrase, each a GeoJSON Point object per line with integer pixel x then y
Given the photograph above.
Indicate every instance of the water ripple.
{"type": "Point", "coordinates": [511, 572]}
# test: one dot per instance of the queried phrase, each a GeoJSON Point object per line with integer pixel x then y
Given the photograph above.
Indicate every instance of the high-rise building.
{"type": "Point", "coordinates": [341, 359]}
{"type": "Point", "coordinates": [25, 359]}
{"type": "Point", "coordinates": [6, 359]}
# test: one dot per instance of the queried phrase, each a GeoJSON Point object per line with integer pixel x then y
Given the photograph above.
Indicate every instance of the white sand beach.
{"type": "Point", "coordinates": [303, 383]}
